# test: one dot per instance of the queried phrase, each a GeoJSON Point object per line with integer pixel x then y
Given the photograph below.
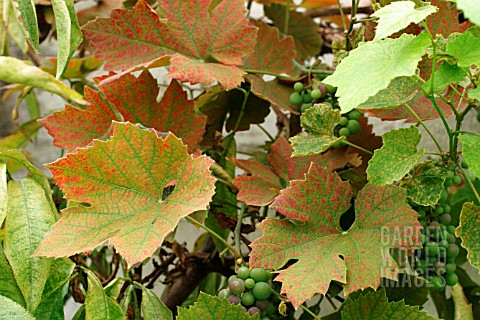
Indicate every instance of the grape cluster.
{"type": "Point", "coordinates": [251, 289]}
{"type": "Point", "coordinates": [436, 261]}
{"type": "Point", "coordinates": [348, 123]}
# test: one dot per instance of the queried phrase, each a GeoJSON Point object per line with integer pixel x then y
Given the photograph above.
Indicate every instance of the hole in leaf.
{"type": "Point", "coordinates": [348, 217]}
{"type": "Point", "coordinates": [167, 191]}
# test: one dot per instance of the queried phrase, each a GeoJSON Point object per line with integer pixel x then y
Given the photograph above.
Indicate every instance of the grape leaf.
{"type": "Point", "coordinates": [396, 157]}
{"type": "Point", "coordinates": [304, 4]}
{"type": "Point", "coordinates": [3, 192]}
{"type": "Point", "coordinates": [398, 15]}
{"type": "Point", "coordinates": [324, 252]}
{"type": "Point", "coordinates": [209, 307]}
{"type": "Point", "coordinates": [375, 305]}
{"type": "Point", "coordinates": [445, 20]}
{"type": "Point", "coordinates": [29, 218]}
{"type": "Point", "coordinates": [152, 307]}
{"type": "Point", "coordinates": [319, 121]}
{"type": "Point", "coordinates": [192, 37]}
{"type": "Point", "coordinates": [468, 231]}
{"type": "Point", "coordinates": [29, 22]}
{"type": "Point", "coordinates": [398, 92]}
{"type": "Point", "coordinates": [8, 286]}
{"type": "Point", "coordinates": [273, 91]}
{"type": "Point", "coordinates": [425, 184]}
{"type": "Point", "coordinates": [56, 287]}
{"type": "Point", "coordinates": [254, 112]}
{"type": "Point", "coordinates": [99, 306]}
{"type": "Point", "coordinates": [444, 75]}
{"type": "Point", "coordinates": [69, 36]}
{"type": "Point", "coordinates": [265, 182]}
{"type": "Point", "coordinates": [12, 310]}
{"type": "Point", "coordinates": [136, 100]}
{"type": "Point", "coordinates": [465, 49]}
{"type": "Point", "coordinates": [123, 179]}
{"type": "Point", "coordinates": [20, 137]}
{"type": "Point", "coordinates": [302, 28]}
{"type": "Point", "coordinates": [471, 153]}
{"type": "Point", "coordinates": [470, 10]}
{"type": "Point", "coordinates": [376, 63]}
{"type": "Point", "coordinates": [271, 53]}
{"type": "Point", "coordinates": [16, 71]}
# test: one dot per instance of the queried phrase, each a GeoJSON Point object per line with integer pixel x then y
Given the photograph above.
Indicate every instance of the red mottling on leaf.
{"type": "Point", "coordinates": [136, 100]}
{"type": "Point", "coordinates": [123, 180]}
{"type": "Point", "coordinates": [273, 91]}
{"type": "Point", "coordinates": [445, 20]}
{"type": "Point", "coordinates": [264, 182]}
{"type": "Point", "coordinates": [312, 235]}
{"type": "Point", "coordinates": [204, 45]}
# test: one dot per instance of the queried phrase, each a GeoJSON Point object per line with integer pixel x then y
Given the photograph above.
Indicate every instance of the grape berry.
{"type": "Point", "coordinates": [252, 290]}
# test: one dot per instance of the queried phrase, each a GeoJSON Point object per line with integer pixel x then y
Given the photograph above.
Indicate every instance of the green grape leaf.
{"type": "Point", "coordinates": [12, 310]}
{"type": "Point", "coordinates": [271, 53]}
{"type": "Point", "coordinates": [8, 284]}
{"type": "Point", "coordinates": [123, 180]}
{"type": "Point", "coordinates": [323, 251]}
{"type": "Point", "coordinates": [201, 45]}
{"type": "Point", "coordinates": [471, 153]}
{"type": "Point", "coordinates": [468, 231]}
{"type": "Point", "coordinates": [444, 75]}
{"type": "Point", "coordinates": [398, 15]}
{"type": "Point", "coordinates": [396, 157]}
{"type": "Point", "coordinates": [398, 92]}
{"type": "Point", "coordinates": [29, 22]}
{"type": "Point", "coordinates": [302, 28]}
{"type": "Point", "coordinates": [465, 49]}
{"type": "Point", "coordinates": [425, 185]}
{"type": "Point", "coordinates": [264, 182]}
{"type": "Point", "coordinates": [56, 287]}
{"type": "Point", "coordinates": [29, 218]}
{"type": "Point", "coordinates": [20, 137]}
{"type": "Point", "coordinates": [413, 290]}
{"type": "Point", "coordinates": [69, 35]}
{"type": "Point", "coordinates": [152, 307]}
{"type": "Point", "coordinates": [319, 121]}
{"type": "Point", "coordinates": [376, 63]}
{"type": "Point", "coordinates": [375, 305]}
{"type": "Point", "coordinates": [99, 306]}
{"type": "Point", "coordinates": [474, 93]}
{"type": "Point", "coordinates": [136, 100]}
{"type": "Point", "coordinates": [209, 307]}
{"type": "Point", "coordinates": [470, 10]}
{"type": "Point", "coordinates": [16, 71]}
{"type": "Point", "coordinates": [3, 192]}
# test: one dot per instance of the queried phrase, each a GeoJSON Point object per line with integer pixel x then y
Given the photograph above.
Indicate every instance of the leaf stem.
{"type": "Point", "coordinates": [266, 132]}
{"type": "Point", "coordinates": [466, 132]}
{"type": "Point", "coordinates": [309, 312]}
{"type": "Point", "coordinates": [310, 70]}
{"type": "Point", "coordinates": [353, 18]}
{"type": "Point", "coordinates": [222, 175]}
{"type": "Point", "coordinates": [469, 182]}
{"type": "Point", "coordinates": [237, 124]}
{"type": "Point", "coordinates": [357, 147]}
{"type": "Point", "coordinates": [238, 227]}
{"type": "Point", "coordinates": [344, 23]}
{"type": "Point", "coordinates": [287, 17]}
{"type": "Point", "coordinates": [216, 235]}
{"type": "Point", "coordinates": [415, 115]}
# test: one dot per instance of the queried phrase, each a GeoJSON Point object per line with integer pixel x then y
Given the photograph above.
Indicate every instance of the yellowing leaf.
{"type": "Point", "coordinates": [468, 231]}
{"type": "Point", "coordinates": [123, 179]}
{"type": "Point", "coordinates": [312, 235]}
{"type": "Point", "coordinates": [203, 45]}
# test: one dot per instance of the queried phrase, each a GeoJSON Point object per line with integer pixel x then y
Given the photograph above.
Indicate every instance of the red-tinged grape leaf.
{"type": "Point", "coordinates": [445, 21]}
{"type": "Point", "coordinates": [375, 305]}
{"type": "Point", "coordinates": [312, 235]}
{"type": "Point", "coordinates": [101, 9]}
{"type": "Point", "coordinates": [209, 307]}
{"type": "Point", "coordinates": [123, 180]}
{"type": "Point", "coordinates": [73, 127]}
{"type": "Point", "coordinates": [271, 53]}
{"type": "Point", "coordinates": [273, 91]}
{"type": "Point", "coordinates": [264, 182]}
{"type": "Point", "coordinates": [468, 230]}
{"type": "Point", "coordinates": [204, 45]}
{"type": "Point", "coordinates": [305, 3]}
{"type": "Point", "coordinates": [136, 100]}
{"type": "Point", "coordinates": [302, 28]}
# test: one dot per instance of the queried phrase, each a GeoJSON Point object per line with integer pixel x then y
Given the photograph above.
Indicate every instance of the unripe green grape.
{"type": "Point", "coordinates": [261, 290]}
{"type": "Point", "coordinates": [243, 273]}
{"type": "Point", "coordinates": [248, 299]}
{"type": "Point", "coordinates": [259, 274]}
{"type": "Point", "coordinates": [431, 249]}
{"type": "Point", "coordinates": [316, 94]}
{"type": "Point", "coordinates": [230, 279]}
{"type": "Point", "coordinates": [298, 86]}
{"type": "Point", "coordinates": [307, 98]}
{"type": "Point", "coordinates": [437, 283]}
{"type": "Point", "coordinates": [424, 239]}
{"type": "Point", "coordinates": [434, 226]}
{"type": "Point", "coordinates": [343, 121]}
{"type": "Point", "coordinates": [331, 90]}
{"type": "Point", "coordinates": [450, 267]}
{"type": "Point", "coordinates": [355, 115]}
{"type": "Point", "coordinates": [451, 238]}
{"type": "Point", "coordinates": [271, 309]}
{"type": "Point", "coordinates": [443, 244]}
{"type": "Point", "coordinates": [237, 286]}
{"type": "Point", "coordinates": [471, 176]}
{"type": "Point", "coordinates": [451, 229]}
{"type": "Point", "coordinates": [249, 283]}
{"type": "Point", "coordinates": [439, 267]}
{"type": "Point", "coordinates": [453, 250]}
{"type": "Point", "coordinates": [451, 279]}
{"type": "Point", "coordinates": [456, 180]}
{"type": "Point", "coordinates": [296, 99]}
{"type": "Point", "coordinates": [443, 196]}
{"type": "Point", "coordinates": [337, 144]}
{"type": "Point", "coordinates": [305, 107]}
{"type": "Point", "coordinates": [438, 211]}
{"type": "Point", "coordinates": [344, 132]}
{"type": "Point", "coordinates": [447, 208]}
{"type": "Point", "coordinates": [224, 293]}
{"type": "Point", "coordinates": [464, 164]}
{"type": "Point", "coordinates": [448, 182]}
{"type": "Point", "coordinates": [262, 304]}
{"type": "Point", "coordinates": [353, 126]}
{"type": "Point", "coordinates": [445, 219]}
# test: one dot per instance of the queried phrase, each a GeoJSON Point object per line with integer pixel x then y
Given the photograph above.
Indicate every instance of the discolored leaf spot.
{"type": "Point", "coordinates": [469, 232]}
